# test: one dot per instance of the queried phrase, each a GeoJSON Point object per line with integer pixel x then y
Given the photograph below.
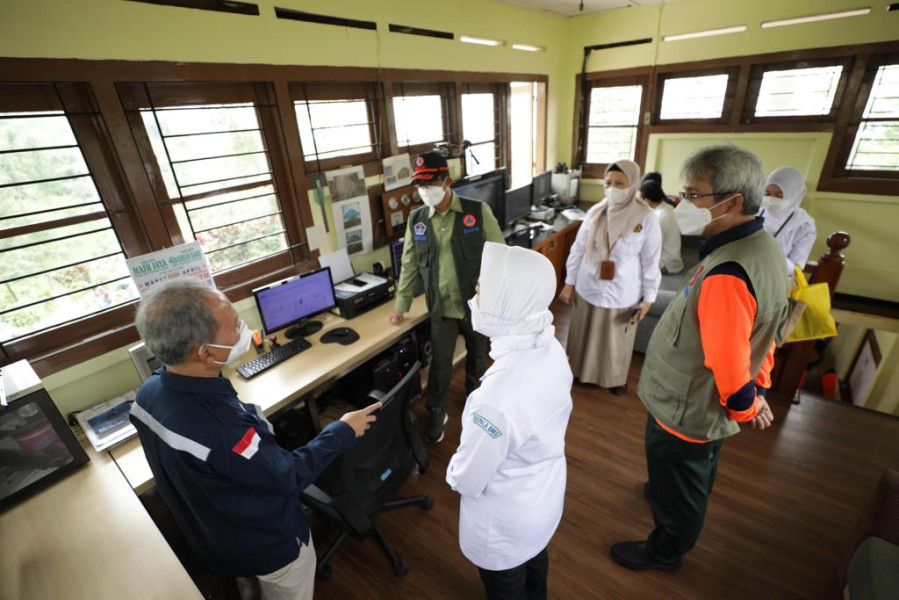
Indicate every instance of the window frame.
{"type": "Point", "coordinates": [450, 122]}
{"type": "Point", "coordinates": [501, 134]}
{"type": "Point", "coordinates": [728, 102]}
{"type": "Point", "coordinates": [754, 85]}
{"type": "Point", "coordinates": [139, 96]}
{"type": "Point", "coordinates": [367, 91]}
{"type": "Point", "coordinates": [613, 79]}
{"type": "Point", "coordinates": [79, 105]}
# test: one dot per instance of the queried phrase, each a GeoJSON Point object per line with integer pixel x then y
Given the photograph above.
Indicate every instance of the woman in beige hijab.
{"type": "Point", "coordinates": [612, 277]}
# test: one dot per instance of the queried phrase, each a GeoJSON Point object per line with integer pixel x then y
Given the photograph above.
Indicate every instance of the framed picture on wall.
{"type": "Point", "coordinates": [864, 368]}
{"type": "Point", "coordinates": [37, 448]}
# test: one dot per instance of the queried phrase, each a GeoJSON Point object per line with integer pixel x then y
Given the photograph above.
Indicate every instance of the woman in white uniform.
{"type": "Point", "coordinates": [510, 464]}
{"type": "Point", "coordinates": [652, 194]}
{"type": "Point", "coordinates": [792, 227]}
{"type": "Point", "coordinates": [612, 277]}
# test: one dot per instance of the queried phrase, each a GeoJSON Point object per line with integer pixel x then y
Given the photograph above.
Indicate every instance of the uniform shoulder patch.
{"type": "Point", "coordinates": [469, 220]}
{"type": "Point", "coordinates": [492, 430]}
{"type": "Point", "coordinates": [420, 228]}
{"type": "Point", "coordinates": [248, 444]}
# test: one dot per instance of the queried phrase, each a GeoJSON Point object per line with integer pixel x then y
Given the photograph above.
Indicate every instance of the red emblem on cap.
{"type": "Point", "coordinates": [469, 220]}
{"type": "Point", "coordinates": [419, 161]}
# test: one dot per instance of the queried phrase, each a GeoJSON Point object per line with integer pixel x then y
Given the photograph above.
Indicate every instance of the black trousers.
{"type": "Point", "coordinates": [524, 582]}
{"type": "Point", "coordinates": [444, 333]}
{"type": "Point", "coordinates": [681, 476]}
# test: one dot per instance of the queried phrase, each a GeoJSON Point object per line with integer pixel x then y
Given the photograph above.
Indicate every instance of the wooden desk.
{"type": "Point", "coordinates": [88, 536]}
{"type": "Point", "coordinates": [280, 386]}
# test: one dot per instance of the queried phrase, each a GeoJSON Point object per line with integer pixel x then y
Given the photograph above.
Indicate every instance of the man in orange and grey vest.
{"type": "Point", "coordinates": [444, 241]}
{"type": "Point", "coordinates": [709, 360]}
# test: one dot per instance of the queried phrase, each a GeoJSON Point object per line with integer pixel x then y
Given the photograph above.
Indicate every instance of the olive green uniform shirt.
{"type": "Point", "coordinates": [451, 302]}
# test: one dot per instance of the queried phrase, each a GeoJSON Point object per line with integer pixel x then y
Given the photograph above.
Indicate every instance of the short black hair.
{"type": "Point", "coordinates": [653, 176]}
{"type": "Point", "coordinates": [651, 189]}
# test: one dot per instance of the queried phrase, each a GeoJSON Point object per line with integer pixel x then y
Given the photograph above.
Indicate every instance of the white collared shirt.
{"type": "Point", "coordinates": [636, 256]}
{"type": "Point", "coordinates": [794, 234]}
{"type": "Point", "coordinates": [671, 259]}
{"type": "Point", "coordinates": [510, 464]}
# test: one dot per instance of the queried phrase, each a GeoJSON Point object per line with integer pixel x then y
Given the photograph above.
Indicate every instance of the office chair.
{"type": "Point", "coordinates": [360, 483]}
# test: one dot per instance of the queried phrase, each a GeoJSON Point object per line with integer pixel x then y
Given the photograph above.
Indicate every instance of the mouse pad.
{"type": "Point", "coordinates": [336, 336]}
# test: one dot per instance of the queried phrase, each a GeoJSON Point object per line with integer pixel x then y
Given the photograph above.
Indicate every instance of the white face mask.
{"type": "Point", "coordinates": [775, 204]}
{"type": "Point", "coordinates": [432, 195]}
{"type": "Point", "coordinates": [692, 220]}
{"type": "Point", "coordinates": [615, 195]}
{"type": "Point", "coordinates": [238, 349]}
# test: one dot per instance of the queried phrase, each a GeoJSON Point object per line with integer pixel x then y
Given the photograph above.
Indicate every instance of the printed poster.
{"type": "Point", "coordinates": [351, 209]}
{"type": "Point", "coordinates": [186, 260]}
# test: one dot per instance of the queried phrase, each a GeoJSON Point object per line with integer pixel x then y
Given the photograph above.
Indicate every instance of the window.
{"type": "Point", "coordinates": [63, 261]}
{"type": "Point", "coordinates": [876, 144]}
{"type": "Point", "coordinates": [483, 125]}
{"type": "Point", "coordinates": [207, 146]}
{"type": "Point", "coordinates": [421, 116]}
{"type": "Point", "coordinates": [797, 92]}
{"type": "Point", "coordinates": [336, 123]}
{"type": "Point", "coordinates": [702, 97]}
{"type": "Point", "coordinates": [613, 121]}
{"type": "Point", "coordinates": [523, 121]}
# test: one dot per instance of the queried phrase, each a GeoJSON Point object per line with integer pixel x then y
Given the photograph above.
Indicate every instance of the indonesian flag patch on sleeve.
{"type": "Point", "coordinates": [248, 444]}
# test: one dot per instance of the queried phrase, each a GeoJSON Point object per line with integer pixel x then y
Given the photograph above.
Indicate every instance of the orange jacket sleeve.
{"type": "Point", "coordinates": [726, 313]}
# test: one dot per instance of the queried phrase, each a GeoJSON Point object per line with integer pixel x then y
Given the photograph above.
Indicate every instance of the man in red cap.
{"type": "Point", "coordinates": [444, 241]}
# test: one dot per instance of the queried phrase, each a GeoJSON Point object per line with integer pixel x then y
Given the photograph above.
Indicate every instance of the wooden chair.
{"type": "Point", "coordinates": [791, 360]}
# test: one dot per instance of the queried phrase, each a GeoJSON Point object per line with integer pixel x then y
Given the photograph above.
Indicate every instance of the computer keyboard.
{"type": "Point", "coordinates": [273, 357]}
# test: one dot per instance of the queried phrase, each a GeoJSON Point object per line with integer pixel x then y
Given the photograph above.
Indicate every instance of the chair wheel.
{"type": "Point", "coordinates": [400, 568]}
{"type": "Point", "coordinates": [324, 573]}
{"type": "Point", "coordinates": [427, 504]}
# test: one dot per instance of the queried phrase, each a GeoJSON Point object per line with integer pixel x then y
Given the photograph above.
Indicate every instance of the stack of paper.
{"type": "Point", "coordinates": [107, 424]}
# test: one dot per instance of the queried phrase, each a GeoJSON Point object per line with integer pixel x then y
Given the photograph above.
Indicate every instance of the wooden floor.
{"type": "Point", "coordinates": [784, 503]}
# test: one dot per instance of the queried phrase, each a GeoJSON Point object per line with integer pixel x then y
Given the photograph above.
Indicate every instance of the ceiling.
{"type": "Point", "coordinates": [571, 8]}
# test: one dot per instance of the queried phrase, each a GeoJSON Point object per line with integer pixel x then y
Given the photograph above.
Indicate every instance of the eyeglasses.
{"type": "Point", "coordinates": [694, 197]}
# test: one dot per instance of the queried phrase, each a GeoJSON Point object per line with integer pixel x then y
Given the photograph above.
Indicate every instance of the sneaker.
{"type": "Point", "coordinates": [437, 427]}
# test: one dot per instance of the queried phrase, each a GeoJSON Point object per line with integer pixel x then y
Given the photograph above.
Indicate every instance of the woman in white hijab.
{"type": "Point", "coordinates": [792, 227]}
{"type": "Point", "coordinates": [612, 277]}
{"type": "Point", "coordinates": [510, 464]}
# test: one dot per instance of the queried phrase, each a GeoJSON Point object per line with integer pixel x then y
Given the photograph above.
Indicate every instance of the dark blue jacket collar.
{"type": "Point", "coordinates": [197, 385]}
{"type": "Point", "coordinates": [731, 235]}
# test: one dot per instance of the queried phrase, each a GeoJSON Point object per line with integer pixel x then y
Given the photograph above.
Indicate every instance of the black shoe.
{"type": "Point", "coordinates": [619, 390]}
{"type": "Point", "coordinates": [437, 426]}
{"type": "Point", "coordinates": [646, 490]}
{"type": "Point", "coordinates": [635, 556]}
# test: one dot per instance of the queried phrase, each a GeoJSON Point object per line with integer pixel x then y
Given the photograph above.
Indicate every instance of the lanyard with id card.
{"type": "Point", "coordinates": [607, 267]}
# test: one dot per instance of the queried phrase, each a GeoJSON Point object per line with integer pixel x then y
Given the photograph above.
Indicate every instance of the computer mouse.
{"type": "Point", "coordinates": [340, 335]}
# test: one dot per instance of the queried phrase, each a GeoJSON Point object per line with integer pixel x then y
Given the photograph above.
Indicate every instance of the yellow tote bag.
{"type": "Point", "coordinates": [813, 304]}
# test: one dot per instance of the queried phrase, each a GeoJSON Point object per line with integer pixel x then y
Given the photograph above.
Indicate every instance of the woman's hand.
{"type": "Point", "coordinates": [567, 294]}
{"type": "Point", "coordinates": [639, 311]}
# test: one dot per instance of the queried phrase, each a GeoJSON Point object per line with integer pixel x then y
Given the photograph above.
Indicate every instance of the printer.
{"type": "Point", "coordinates": [361, 293]}
{"type": "Point", "coordinates": [355, 294]}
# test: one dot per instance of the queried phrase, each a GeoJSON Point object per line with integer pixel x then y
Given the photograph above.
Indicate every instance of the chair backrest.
{"type": "Point", "coordinates": [368, 475]}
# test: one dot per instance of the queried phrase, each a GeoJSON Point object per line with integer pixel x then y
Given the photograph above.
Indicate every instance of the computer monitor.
{"type": "Point", "coordinates": [292, 301]}
{"type": "Point", "coordinates": [542, 187]}
{"type": "Point", "coordinates": [518, 204]}
{"type": "Point", "coordinates": [489, 188]}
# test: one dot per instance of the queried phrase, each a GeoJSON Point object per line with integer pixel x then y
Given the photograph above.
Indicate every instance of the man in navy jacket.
{"type": "Point", "coordinates": [233, 491]}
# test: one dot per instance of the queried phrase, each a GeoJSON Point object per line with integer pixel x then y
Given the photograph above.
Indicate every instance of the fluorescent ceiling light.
{"type": "Point", "coordinates": [528, 47]}
{"type": "Point", "coordinates": [482, 41]}
{"type": "Point", "coordinates": [813, 18]}
{"type": "Point", "coordinates": [706, 33]}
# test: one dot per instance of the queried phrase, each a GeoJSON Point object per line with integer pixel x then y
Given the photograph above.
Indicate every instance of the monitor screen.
{"type": "Point", "coordinates": [289, 301]}
{"type": "Point", "coordinates": [489, 188]}
{"type": "Point", "coordinates": [542, 186]}
{"type": "Point", "coordinates": [518, 204]}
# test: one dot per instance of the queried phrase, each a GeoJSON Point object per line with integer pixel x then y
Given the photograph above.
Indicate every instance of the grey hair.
{"type": "Point", "coordinates": [175, 317]}
{"type": "Point", "coordinates": [729, 168]}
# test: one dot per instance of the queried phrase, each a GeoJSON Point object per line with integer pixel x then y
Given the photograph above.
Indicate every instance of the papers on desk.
{"type": "Point", "coordinates": [574, 214]}
{"type": "Point", "coordinates": [107, 424]}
